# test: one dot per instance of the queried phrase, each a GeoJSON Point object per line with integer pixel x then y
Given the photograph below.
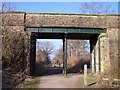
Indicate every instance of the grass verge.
{"type": "Point", "coordinates": [32, 84]}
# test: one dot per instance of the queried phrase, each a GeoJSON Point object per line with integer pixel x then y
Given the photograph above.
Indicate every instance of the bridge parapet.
{"type": "Point", "coordinates": [65, 20]}
{"type": "Point", "coordinates": [13, 19]}
{"type": "Point", "coordinates": [60, 20]}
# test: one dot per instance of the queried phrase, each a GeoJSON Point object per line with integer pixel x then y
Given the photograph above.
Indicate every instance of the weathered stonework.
{"type": "Point", "coordinates": [109, 49]}
{"type": "Point", "coordinates": [57, 20]}
{"type": "Point", "coordinates": [13, 19]}
{"type": "Point", "coordinates": [104, 50]}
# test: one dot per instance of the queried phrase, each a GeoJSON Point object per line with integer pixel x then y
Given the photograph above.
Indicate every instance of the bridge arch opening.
{"type": "Point", "coordinates": [91, 34]}
{"type": "Point", "coordinates": [49, 57]}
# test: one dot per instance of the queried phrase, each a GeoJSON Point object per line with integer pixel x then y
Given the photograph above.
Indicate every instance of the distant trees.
{"type": "Point", "coordinates": [76, 50]}
{"type": "Point", "coordinates": [77, 47]}
{"type": "Point", "coordinates": [44, 50]}
{"type": "Point", "coordinates": [45, 46]}
{"type": "Point", "coordinates": [58, 59]}
{"type": "Point", "coordinates": [96, 8]}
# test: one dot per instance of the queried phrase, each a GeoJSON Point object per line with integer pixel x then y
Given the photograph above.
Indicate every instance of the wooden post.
{"type": "Point", "coordinates": [85, 74]}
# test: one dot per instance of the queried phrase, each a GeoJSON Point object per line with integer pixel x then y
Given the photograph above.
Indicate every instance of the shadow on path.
{"type": "Point", "coordinates": [54, 70]}
{"type": "Point", "coordinates": [45, 71]}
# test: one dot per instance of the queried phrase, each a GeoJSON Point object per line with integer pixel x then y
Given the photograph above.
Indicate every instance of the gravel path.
{"type": "Point", "coordinates": [59, 81]}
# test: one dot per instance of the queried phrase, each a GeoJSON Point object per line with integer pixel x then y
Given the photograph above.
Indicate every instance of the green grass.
{"type": "Point", "coordinates": [90, 75]}
{"type": "Point", "coordinates": [32, 84]}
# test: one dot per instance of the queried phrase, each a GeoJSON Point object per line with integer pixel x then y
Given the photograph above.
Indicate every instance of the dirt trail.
{"type": "Point", "coordinates": [59, 81]}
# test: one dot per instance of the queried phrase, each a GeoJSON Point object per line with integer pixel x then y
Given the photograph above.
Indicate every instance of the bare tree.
{"type": "Point", "coordinates": [96, 8]}
{"type": "Point", "coordinates": [46, 46]}
{"type": "Point", "coordinates": [77, 47]}
{"type": "Point", "coordinates": [58, 59]}
{"type": "Point", "coordinates": [44, 50]}
{"type": "Point", "coordinates": [7, 7]}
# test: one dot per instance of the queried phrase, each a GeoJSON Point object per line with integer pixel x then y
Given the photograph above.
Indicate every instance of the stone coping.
{"type": "Point", "coordinates": [65, 13]}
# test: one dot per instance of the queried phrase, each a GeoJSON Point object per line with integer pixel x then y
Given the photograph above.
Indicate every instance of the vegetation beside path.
{"type": "Point", "coordinates": [91, 82]}
{"type": "Point", "coordinates": [32, 84]}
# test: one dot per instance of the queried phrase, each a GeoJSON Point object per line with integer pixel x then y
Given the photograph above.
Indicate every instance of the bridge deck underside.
{"type": "Point", "coordinates": [61, 36]}
{"type": "Point", "coordinates": [59, 33]}
{"type": "Point", "coordinates": [64, 34]}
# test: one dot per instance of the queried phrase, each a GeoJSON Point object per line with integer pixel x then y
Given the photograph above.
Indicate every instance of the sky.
{"type": "Point", "coordinates": [56, 7]}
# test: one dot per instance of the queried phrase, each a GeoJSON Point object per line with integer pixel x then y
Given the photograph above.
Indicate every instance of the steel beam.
{"type": "Point", "coordinates": [32, 55]}
{"type": "Point", "coordinates": [66, 30]}
{"type": "Point", "coordinates": [91, 48]}
{"type": "Point", "coordinates": [99, 55]}
{"type": "Point", "coordinates": [65, 55]}
{"type": "Point", "coordinates": [94, 58]}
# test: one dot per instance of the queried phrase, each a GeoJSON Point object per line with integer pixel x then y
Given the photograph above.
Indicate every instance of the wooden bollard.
{"type": "Point", "coordinates": [85, 74]}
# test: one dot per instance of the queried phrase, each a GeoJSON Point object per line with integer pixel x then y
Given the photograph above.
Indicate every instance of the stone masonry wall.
{"type": "Point", "coordinates": [113, 28]}
{"type": "Point", "coordinates": [65, 20]}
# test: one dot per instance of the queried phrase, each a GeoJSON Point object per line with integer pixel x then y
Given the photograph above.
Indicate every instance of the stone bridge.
{"type": "Point", "coordinates": [101, 30]}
